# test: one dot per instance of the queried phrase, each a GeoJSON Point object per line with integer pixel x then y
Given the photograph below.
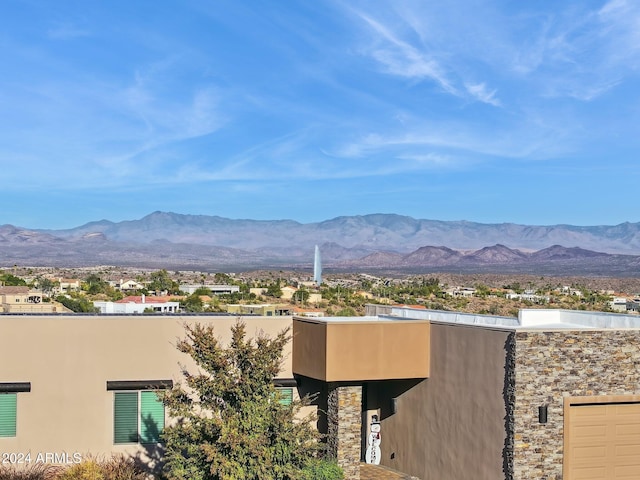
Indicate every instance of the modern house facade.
{"type": "Point", "coordinates": [551, 394]}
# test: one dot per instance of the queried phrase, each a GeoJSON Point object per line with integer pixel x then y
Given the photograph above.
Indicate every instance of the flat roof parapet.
{"type": "Point", "coordinates": [528, 319]}
{"type": "Point", "coordinates": [580, 319]}
{"type": "Point", "coordinates": [454, 317]}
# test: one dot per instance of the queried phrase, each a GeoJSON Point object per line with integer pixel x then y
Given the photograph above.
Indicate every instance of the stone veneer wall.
{"type": "Point", "coordinates": [344, 415]}
{"type": "Point", "coordinates": [552, 365]}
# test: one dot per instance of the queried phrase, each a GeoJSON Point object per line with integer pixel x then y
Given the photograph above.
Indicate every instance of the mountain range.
{"type": "Point", "coordinates": [382, 241]}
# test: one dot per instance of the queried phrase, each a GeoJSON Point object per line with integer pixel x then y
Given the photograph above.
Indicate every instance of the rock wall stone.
{"type": "Point", "coordinates": [552, 365]}
{"type": "Point", "coordinates": [344, 414]}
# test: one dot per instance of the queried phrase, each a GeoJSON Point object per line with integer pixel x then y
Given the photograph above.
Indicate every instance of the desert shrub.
{"type": "Point", "coordinates": [322, 469]}
{"type": "Point", "coordinates": [86, 470]}
{"type": "Point", "coordinates": [122, 468]}
{"type": "Point", "coordinates": [114, 468]}
{"type": "Point", "coordinates": [28, 472]}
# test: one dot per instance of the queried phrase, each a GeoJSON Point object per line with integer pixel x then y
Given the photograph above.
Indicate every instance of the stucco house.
{"type": "Point", "coordinates": [21, 299]}
{"type": "Point", "coordinates": [67, 285]}
{"type": "Point", "coordinates": [139, 304]}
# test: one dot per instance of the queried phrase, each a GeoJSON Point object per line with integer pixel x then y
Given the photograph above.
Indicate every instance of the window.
{"type": "Point", "coordinates": [138, 411]}
{"type": "Point", "coordinates": [9, 406]}
{"type": "Point", "coordinates": [285, 394]}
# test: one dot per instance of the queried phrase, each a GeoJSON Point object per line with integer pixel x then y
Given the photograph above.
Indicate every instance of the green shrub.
{"type": "Point", "coordinates": [322, 469]}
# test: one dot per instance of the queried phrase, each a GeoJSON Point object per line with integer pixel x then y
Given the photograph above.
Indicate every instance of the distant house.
{"type": "Point", "coordinates": [128, 286]}
{"type": "Point", "coordinates": [265, 309]}
{"type": "Point", "coordinates": [189, 289]}
{"type": "Point", "coordinates": [618, 304]}
{"type": "Point", "coordinates": [567, 290]}
{"type": "Point", "coordinates": [528, 296]}
{"type": "Point", "coordinates": [24, 300]}
{"type": "Point", "coordinates": [67, 285]}
{"type": "Point", "coordinates": [139, 304]}
{"type": "Point", "coordinates": [288, 292]}
{"type": "Point", "coordinates": [633, 306]}
{"type": "Point", "coordinates": [464, 292]}
{"type": "Point", "coordinates": [314, 298]}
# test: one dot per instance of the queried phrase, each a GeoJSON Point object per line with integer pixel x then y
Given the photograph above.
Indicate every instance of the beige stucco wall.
{"type": "Point", "coordinates": [450, 426]}
{"type": "Point", "coordinates": [68, 360]}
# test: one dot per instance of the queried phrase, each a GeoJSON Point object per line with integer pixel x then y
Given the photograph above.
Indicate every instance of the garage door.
{"type": "Point", "coordinates": [603, 441]}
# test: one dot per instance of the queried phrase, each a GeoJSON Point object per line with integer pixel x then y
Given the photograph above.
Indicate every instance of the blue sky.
{"type": "Point", "coordinates": [487, 111]}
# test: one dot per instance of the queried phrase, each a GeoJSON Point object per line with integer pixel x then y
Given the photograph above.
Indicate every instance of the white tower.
{"type": "Point", "coordinates": [317, 267]}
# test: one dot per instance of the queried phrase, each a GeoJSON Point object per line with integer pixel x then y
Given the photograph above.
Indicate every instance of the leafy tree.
{"type": "Point", "coordinates": [46, 284]}
{"type": "Point", "coordinates": [193, 303]}
{"type": "Point", "coordinates": [11, 280]}
{"type": "Point", "coordinates": [482, 290]}
{"type": "Point", "coordinates": [302, 295]}
{"type": "Point", "coordinates": [93, 285]}
{"type": "Point", "coordinates": [231, 424]}
{"type": "Point", "coordinates": [161, 281]}
{"type": "Point", "coordinates": [77, 304]}
{"type": "Point", "coordinates": [274, 290]}
{"type": "Point", "coordinates": [222, 278]}
{"type": "Point", "coordinates": [237, 297]}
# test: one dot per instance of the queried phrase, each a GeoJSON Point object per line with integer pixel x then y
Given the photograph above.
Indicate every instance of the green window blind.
{"type": "Point", "coordinates": [151, 417]}
{"type": "Point", "coordinates": [125, 419]}
{"type": "Point", "coordinates": [8, 404]}
{"type": "Point", "coordinates": [285, 394]}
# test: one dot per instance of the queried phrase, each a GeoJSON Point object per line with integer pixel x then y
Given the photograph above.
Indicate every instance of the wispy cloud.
{"type": "Point", "coordinates": [402, 59]}
{"type": "Point", "coordinates": [479, 92]}
{"type": "Point", "coordinates": [580, 52]}
{"type": "Point", "coordinates": [121, 133]}
{"type": "Point", "coordinates": [406, 52]}
{"type": "Point", "coordinates": [456, 145]}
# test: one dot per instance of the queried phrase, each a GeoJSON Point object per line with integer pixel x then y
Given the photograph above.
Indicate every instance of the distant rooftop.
{"type": "Point", "coordinates": [144, 299]}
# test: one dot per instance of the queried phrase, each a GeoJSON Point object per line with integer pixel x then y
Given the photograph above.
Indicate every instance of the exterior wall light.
{"type": "Point", "coordinates": [542, 413]}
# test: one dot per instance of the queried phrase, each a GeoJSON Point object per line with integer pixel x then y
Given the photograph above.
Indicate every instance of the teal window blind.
{"type": "Point", "coordinates": [151, 417]}
{"type": "Point", "coordinates": [125, 418]}
{"type": "Point", "coordinates": [8, 408]}
{"type": "Point", "coordinates": [285, 395]}
{"type": "Point", "coordinates": [138, 417]}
